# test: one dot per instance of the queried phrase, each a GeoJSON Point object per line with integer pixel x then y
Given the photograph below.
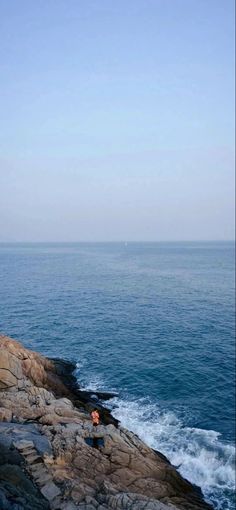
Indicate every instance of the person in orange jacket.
{"type": "Point", "coordinates": [95, 417]}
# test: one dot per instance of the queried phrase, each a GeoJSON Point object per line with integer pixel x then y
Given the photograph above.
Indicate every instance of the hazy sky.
{"type": "Point", "coordinates": [117, 120]}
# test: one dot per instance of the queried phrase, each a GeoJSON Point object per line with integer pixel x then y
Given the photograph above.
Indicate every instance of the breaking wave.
{"type": "Point", "coordinates": [199, 455]}
{"type": "Point", "coordinates": [88, 381]}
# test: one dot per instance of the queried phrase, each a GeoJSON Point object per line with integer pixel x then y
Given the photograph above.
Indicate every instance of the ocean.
{"type": "Point", "coordinates": [152, 321]}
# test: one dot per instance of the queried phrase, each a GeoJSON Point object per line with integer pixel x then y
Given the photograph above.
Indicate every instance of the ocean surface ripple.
{"type": "Point", "coordinates": [154, 321]}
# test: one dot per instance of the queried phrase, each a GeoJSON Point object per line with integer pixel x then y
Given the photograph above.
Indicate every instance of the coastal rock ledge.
{"type": "Point", "coordinates": [53, 458]}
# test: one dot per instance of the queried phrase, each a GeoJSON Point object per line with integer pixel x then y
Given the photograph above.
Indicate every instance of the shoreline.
{"type": "Point", "coordinates": [45, 437]}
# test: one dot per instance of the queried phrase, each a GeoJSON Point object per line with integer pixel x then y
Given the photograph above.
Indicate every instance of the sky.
{"type": "Point", "coordinates": [116, 120]}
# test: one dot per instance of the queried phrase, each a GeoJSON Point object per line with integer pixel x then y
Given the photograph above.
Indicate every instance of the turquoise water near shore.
{"type": "Point", "coordinates": [154, 321]}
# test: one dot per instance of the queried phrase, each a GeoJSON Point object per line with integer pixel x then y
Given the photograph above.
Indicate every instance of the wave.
{"type": "Point", "coordinates": [198, 454]}
{"type": "Point", "coordinates": [91, 382]}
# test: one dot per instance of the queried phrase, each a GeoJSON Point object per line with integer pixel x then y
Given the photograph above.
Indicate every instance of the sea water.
{"type": "Point", "coordinates": [153, 321]}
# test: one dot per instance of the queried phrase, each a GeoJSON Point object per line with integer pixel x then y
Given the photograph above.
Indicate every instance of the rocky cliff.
{"type": "Point", "coordinates": [51, 456]}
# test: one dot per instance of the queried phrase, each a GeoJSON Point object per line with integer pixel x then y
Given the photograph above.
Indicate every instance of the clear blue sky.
{"type": "Point", "coordinates": [117, 120]}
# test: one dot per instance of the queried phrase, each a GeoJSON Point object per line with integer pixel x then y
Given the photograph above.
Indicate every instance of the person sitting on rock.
{"type": "Point", "coordinates": [95, 417]}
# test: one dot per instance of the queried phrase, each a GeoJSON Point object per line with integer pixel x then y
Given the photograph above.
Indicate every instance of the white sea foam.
{"type": "Point", "coordinates": [94, 384]}
{"type": "Point", "coordinates": [79, 365]}
{"type": "Point", "coordinates": [199, 454]}
{"type": "Point", "coordinates": [91, 382]}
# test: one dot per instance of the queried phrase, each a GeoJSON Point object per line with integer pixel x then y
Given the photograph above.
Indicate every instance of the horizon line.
{"type": "Point", "coordinates": [123, 241]}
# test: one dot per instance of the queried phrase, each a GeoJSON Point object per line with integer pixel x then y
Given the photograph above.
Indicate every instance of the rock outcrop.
{"type": "Point", "coordinates": [53, 457]}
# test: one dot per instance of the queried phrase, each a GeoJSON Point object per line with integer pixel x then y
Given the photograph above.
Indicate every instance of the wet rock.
{"type": "Point", "coordinates": [97, 395]}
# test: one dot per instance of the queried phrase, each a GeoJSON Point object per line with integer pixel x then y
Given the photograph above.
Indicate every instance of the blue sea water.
{"type": "Point", "coordinates": [154, 321]}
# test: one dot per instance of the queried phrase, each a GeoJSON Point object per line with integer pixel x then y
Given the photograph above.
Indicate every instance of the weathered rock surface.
{"type": "Point", "coordinates": [46, 439]}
